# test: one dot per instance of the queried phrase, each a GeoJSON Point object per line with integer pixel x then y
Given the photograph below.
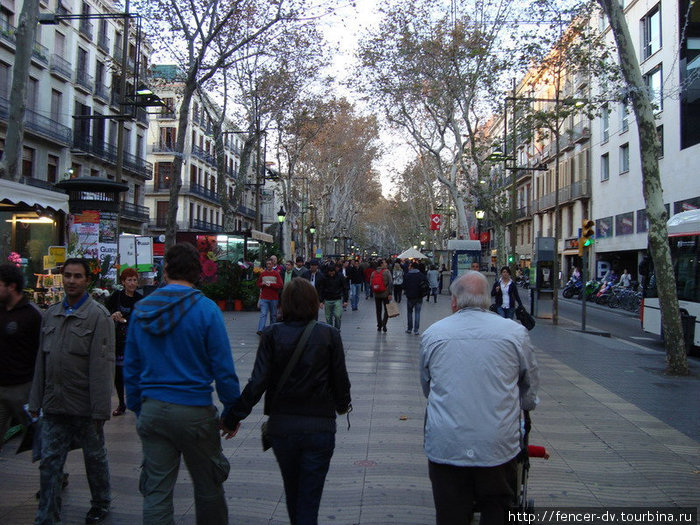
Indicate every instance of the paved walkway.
{"type": "Point", "coordinates": [620, 432]}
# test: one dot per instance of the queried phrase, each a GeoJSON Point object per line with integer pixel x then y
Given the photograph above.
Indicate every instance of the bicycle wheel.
{"type": "Point", "coordinates": [614, 301]}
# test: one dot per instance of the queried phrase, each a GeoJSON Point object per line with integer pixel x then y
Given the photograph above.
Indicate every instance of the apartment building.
{"type": "Point", "coordinates": [199, 204]}
{"type": "Point", "coordinates": [75, 108]}
{"type": "Point", "coordinates": [666, 42]}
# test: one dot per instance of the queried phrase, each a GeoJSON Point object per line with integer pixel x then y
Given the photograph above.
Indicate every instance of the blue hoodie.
{"type": "Point", "coordinates": [176, 347]}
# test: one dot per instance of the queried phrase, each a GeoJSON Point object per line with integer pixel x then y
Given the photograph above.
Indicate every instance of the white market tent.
{"type": "Point", "coordinates": [411, 253]}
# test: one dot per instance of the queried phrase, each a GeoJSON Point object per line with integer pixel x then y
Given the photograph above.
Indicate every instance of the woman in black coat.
{"type": "Point", "coordinates": [301, 427]}
{"type": "Point", "coordinates": [505, 304]}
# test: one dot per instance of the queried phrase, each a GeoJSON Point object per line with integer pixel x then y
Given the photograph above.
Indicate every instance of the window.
{"type": "Point", "coordinates": [32, 89]}
{"type": "Point", "coordinates": [27, 162]}
{"type": "Point", "coordinates": [651, 32]}
{"type": "Point", "coordinates": [654, 82]}
{"type": "Point", "coordinates": [660, 133]}
{"type": "Point", "coordinates": [689, 18]}
{"type": "Point", "coordinates": [59, 44]}
{"type": "Point", "coordinates": [164, 171]}
{"type": "Point", "coordinates": [604, 167]}
{"type": "Point", "coordinates": [56, 103]}
{"type": "Point", "coordinates": [52, 169]}
{"type": "Point", "coordinates": [605, 123]}
{"type": "Point", "coordinates": [624, 117]}
{"type": "Point", "coordinates": [4, 80]}
{"type": "Point", "coordinates": [624, 158]}
{"type": "Point", "coordinates": [82, 62]}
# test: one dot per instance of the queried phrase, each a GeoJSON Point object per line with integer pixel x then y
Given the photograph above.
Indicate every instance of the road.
{"type": "Point", "coordinates": [617, 322]}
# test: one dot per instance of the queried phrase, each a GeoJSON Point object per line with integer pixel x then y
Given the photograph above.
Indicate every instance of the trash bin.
{"type": "Point", "coordinates": [688, 324]}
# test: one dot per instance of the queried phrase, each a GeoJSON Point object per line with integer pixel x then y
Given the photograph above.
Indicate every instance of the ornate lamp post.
{"type": "Point", "coordinates": [280, 217]}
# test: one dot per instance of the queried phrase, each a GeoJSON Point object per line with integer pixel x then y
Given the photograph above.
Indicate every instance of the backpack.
{"type": "Point", "coordinates": [378, 284]}
{"type": "Point", "coordinates": [424, 287]}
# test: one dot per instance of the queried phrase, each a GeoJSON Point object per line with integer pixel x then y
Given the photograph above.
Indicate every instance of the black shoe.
{"type": "Point", "coordinates": [96, 515]}
{"type": "Point", "coordinates": [379, 329]}
{"type": "Point", "coordinates": [384, 328]}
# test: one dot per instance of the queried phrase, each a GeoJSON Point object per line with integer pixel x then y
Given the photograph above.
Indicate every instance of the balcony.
{"type": "Point", "coordinates": [39, 183]}
{"type": "Point", "coordinates": [134, 211]}
{"type": "Point", "coordinates": [581, 133]}
{"type": "Point", "coordinates": [100, 150]}
{"type": "Point", "coordinates": [523, 213]}
{"type": "Point", "coordinates": [61, 68]}
{"type": "Point", "coordinates": [101, 92]}
{"type": "Point", "coordinates": [85, 28]}
{"type": "Point", "coordinates": [40, 55]}
{"type": "Point", "coordinates": [84, 82]}
{"type": "Point", "coordinates": [166, 114]}
{"type": "Point", "coordinates": [198, 224]}
{"type": "Point", "coordinates": [103, 43]}
{"type": "Point", "coordinates": [7, 34]}
{"type": "Point", "coordinates": [202, 191]}
{"type": "Point", "coordinates": [577, 190]}
{"type": "Point", "coordinates": [41, 125]}
{"type": "Point", "coordinates": [137, 166]}
{"type": "Point", "coordinates": [203, 155]}
{"type": "Point", "coordinates": [117, 53]}
{"type": "Point", "coordinates": [142, 116]}
{"type": "Point", "coordinates": [245, 211]}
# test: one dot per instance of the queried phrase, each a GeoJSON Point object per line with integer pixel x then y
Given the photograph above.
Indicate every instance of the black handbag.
{"type": "Point", "coordinates": [283, 378]}
{"type": "Point", "coordinates": [524, 317]}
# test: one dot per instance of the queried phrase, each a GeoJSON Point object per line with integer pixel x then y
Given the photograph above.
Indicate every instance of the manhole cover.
{"type": "Point", "coordinates": [366, 463]}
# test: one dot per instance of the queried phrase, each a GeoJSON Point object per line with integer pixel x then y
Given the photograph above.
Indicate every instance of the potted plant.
{"type": "Point", "coordinates": [216, 292]}
{"type": "Point", "coordinates": [249, 294]}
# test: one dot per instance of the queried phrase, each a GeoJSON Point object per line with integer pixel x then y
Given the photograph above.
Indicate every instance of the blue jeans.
{"type": "Point", "coordinates": [267, 305]}
{"type": "Point", "coordinates": [508, 313]}
{"type": "Point", "coordinates": [304, 460]}
{"type": "Point", "coordinates": [334, 311]}
{"type": "Point", "coordinates": [58, 432]}
{"type": "Point", "coordinates": [168, 431]}
{"type": "Point", "coordinates": [355, 290]}
{"type": "Point", "coordinates": [413, 305]}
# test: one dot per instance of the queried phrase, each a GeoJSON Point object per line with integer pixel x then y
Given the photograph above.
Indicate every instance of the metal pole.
{"type": "Point", "coordinates": [512, 190]}
{"type": "Point", "coordinates": [557, 222]}
{"type": "Point", "coordinates": [584, 264]}
{"type": "Point", "coordinates": [119, 168]}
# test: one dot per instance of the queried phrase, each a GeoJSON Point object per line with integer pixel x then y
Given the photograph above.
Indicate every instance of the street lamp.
{"type": "Point", "coordinates": [480, 214]}
{"type": "Point", "coordinates": [280, 218]}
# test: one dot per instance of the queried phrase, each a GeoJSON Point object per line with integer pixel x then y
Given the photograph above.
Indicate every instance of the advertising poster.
{"type": "Point", "coordinates": [84, 235]}
{"type": "Point", "coordinates": [136, 252]}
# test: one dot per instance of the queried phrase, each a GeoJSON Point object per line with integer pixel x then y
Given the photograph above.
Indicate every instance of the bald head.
{"type": "Point", "coordinates": [470, 290]}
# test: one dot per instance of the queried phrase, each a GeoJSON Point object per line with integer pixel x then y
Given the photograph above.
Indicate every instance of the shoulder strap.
{"type": "Point", "coordinates": [295, 356]}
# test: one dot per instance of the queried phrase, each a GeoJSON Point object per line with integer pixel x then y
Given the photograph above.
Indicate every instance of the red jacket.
{"type": "Point", "coordinates": [271, 292]}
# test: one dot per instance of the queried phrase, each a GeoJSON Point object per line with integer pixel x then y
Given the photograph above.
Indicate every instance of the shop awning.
{"type": "Point", "coordinates": [261, 236]}
{"type": "Point", "coordinates": [17, 193]}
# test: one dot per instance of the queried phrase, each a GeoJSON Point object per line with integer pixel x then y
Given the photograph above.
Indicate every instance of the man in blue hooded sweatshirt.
{"type": "Point", "coordinates": [175, 348]}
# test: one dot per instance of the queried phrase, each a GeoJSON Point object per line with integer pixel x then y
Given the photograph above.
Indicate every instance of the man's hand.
{"type": "Point", "coordinates": [345, 304]}
{"type": "Point", "coordinates": [227, 433]}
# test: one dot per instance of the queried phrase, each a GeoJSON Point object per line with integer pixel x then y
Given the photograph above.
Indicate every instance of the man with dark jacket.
{"type": "Point", "coordinates": [412, 283]}
{"type": "Point", "coordinates": [356, 280]}
{"type": "Point", "coordinates": [177, 346]}
{"type": "Point", "coordinates": [73, 386]}
{"type": "Point", "coordinates": [20, 323]}
{"type": "Point", "coordinates": [300, 270]}
{"type": "Point", "coordinates": [333, 294]}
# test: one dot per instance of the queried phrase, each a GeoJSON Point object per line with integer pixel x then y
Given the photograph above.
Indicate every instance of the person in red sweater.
{"type": "Point", "coordinates": [270, 283]}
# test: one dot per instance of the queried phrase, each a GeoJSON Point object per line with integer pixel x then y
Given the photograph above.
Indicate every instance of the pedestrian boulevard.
{"type": "Point", "coordinates": [620, 433]}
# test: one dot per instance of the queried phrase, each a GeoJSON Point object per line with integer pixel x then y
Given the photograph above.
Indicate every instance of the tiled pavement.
{"type": "Point", "coordinates": [618, 430]}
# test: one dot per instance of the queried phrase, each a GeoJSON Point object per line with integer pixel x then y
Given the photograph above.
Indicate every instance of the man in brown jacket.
{"type": "Point", "coordinates": [73, 388]}
{"type": "Point", "coordinates": [382, 287]}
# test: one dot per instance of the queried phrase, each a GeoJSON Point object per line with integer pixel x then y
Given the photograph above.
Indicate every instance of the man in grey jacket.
{"type": "Point", "coordinates": [73, 387]}
{"type": "Point", "coordinates": [478, 371]}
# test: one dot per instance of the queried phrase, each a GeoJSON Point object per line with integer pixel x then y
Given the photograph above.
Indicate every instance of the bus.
{"type": "Point", "coordinates": [684, 239]}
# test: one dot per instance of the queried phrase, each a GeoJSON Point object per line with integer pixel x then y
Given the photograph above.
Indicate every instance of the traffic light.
{"type": "Point", "coordinates": [587, 235]}
{"type": "Point", "coordinates": [511, 259]}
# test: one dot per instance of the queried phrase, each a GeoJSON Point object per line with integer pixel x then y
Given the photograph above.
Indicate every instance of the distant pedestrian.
{"type": "Point", "coordinates": [120, 304]}
{"type": "Point", "coordinates": [288, 274]}
{"type": "Point", "coordinates": [433, 278]}
{"type": "Point", "coordinates": [414, 297]}
{"type": "Point", "coordinates": [73, 388]}
{"type": "Point", "coordinates": [270, 283]}
{"type": "Point", "coordinates": [441, 282]}
{"type": "Point", "coordinates": [478, 371]}
{"type": "Point", "coordinates": [397, 276]}
{"type": "Point", "coordinates": [176, 348]}
{"type": "Point", "coordinates": [302, 409]}
{"type": "Point", "coordinates": [625, 279]}
{"type": "Point", "coordinates": [356, 280]}
{"type": "Point", "coordinates": [315, 274]}
{"type": "Point", "coordinates": [506, 294]}
{"type": "Point", "coordinates": [20, 328]}
{"type": "Point", "coordinates": [368, 274]}
{"type": "Point", "coordinates": [333, 294]}
{"type": "Point", "coordinates": [299, 269]}
{"type": "Point", "coordinates": [382, 288]}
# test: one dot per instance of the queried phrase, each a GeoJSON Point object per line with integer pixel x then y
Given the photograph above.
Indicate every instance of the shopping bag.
{"type": "Point", "coordinates": [392, 309]}
{"type": "Point", "coordinates": [524, 317]}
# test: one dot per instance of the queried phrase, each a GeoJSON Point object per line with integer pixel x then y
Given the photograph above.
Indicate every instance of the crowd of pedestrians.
{"type": "Point", "coordinates": [167, 353]}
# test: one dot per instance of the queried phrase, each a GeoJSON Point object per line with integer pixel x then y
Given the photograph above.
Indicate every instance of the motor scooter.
{"type": "Point", "coordinates": [573, 287]}
{"type": "Point", "coordinates": [589, 289]}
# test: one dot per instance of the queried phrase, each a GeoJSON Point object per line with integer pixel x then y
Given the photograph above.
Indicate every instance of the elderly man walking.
{"type": "Point", "coordinates": [478, 371]}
